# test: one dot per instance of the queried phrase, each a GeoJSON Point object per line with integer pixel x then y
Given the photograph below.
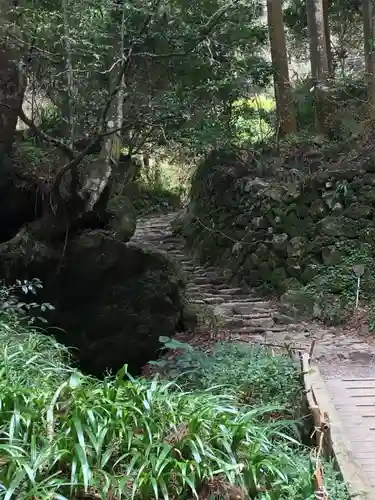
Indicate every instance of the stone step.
{"type": "Point", "coordinates": [237, 321]}
{"type": "Point", "coordinates": [247, 330]}
{"type": "Point", "coordinates": [208, 280]}
{"type": "Point", "coordinates": [218, 298]}
{"type": "Point", "coordinates": [242, 307]}
{"type": "Point", "coordinates": [258, 315]}
{"type": "Point", "coordinates": [213, 300]}
{"type": "Point", "coordinates": [240, 313]}
{"type": "Point", "coordinates": [222, 292]}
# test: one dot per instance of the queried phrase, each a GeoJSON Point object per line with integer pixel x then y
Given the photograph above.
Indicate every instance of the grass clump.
{"type": "Point", "coordinates": [65, 435]}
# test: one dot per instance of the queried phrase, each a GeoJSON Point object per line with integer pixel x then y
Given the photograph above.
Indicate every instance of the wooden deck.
{"type": "Point", "coordinates": [350, 405]}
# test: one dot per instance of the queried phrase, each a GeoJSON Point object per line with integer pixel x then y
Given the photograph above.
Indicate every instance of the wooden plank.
{"type": "Point", "coordinates": [357, 482]}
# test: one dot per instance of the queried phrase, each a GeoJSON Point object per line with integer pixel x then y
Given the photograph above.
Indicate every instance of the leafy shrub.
{"type": "Point", "coordinates": [148, 199]}
{"type": "Point", "coordinates": [61, 432]}
{"type": "Point", "coordinates": [32, 154]}
{"type": "Point", "coordinates": [348, 107]}
{"type": "Point", "coordinates": [51, 120]}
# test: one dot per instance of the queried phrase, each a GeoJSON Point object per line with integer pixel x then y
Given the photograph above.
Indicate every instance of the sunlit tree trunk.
{"type": "Point", "coordinates": [319, 62]}
{"type": "Point", "coordinates": [369, 46]}
{"type": "Point", "coordinates": [284, 103]}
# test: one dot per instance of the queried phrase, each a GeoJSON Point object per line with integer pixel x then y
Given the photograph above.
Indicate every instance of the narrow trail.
{"type": "Point", "coordinates": [346, 361]}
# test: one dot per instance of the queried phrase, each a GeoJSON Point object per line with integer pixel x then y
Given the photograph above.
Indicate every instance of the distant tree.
{"type": "Point", "coordinates": [286, 113]}
{"type": "Point", "coordinates": [327, 32]}
{"type": "Point", "coordinates": [319, 61]}
{"type": "Point", "coordinates": [368, 12]}
{"type": "Point", "coordinates": [344, 39]}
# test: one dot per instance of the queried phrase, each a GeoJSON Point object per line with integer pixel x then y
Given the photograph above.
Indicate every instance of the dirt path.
{"type": "Point", "coordinates": [346, 361]}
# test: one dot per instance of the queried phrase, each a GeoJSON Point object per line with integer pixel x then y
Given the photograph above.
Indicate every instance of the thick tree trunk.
{"type": "Point", "coordinates": [368, 13]}
{"type": "Point", "coordinates": [284, 103]}
{"type": "Point", "coordinates": [319, 62]}
{"type": "Point", "coordinates": [12, 88]}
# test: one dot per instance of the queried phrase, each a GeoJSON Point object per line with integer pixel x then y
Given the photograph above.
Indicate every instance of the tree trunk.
{"type": "Point", "coordinates": [327, 32]}
{"type": "Point", "coordinates": [369, 47]}
{"type": "Point", "coordinates": [286, 113]}
{"type": "Point", "coordinates": [12, 82]}
{"type": "Point", "coordinates": [102, 171]}
{"type": "Point", "coordinates": [319, 62]}
{"type": "Point", "coordinates": [12, 88]}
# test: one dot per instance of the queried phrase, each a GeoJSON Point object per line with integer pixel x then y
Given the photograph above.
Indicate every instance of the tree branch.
{"type": "Point", "coordinates": [101, 125]}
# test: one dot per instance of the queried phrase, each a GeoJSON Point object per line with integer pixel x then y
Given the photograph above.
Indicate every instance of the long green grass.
{"type": "Point", "coordinates": [65, 435]}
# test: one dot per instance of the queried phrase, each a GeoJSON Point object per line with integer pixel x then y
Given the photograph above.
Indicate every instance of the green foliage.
{"type": "Point", "coordinates": [371, 317]}
{"type": "Point", "coordinates": [168, 171]}
{"type": "Point", "coordinates": [51, 120]}
{"type": "Point", "coordinates": [64, 434]}
{"type": "Point", "coordinates": [12, 306]}
{"type": "Point", "coordinates": [348, 105]}
{"type": "Point", "coordinates": [187, 65]}
{"type": "Point", "coordinates": [253, 120]}
{"type": "Point", "coordinates": [148, 199]}
{"type": "Point", "coordinates": [32, 154]}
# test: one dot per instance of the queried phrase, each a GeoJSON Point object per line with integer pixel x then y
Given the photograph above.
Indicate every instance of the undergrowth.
{"type": "Point", "coordinates": [65, 435]}
{"type": "Point", "coordinates": [331, 295]}
{"type": "Point", "coordinates": [248, 371]}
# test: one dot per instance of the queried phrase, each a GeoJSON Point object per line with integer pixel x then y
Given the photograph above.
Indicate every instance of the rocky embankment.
{"type": "Point", "coordinates": [297, 224]}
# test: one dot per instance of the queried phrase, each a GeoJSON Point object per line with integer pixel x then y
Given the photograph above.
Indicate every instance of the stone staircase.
{"type": "Point", "coordinates": [240, 313]}
{"type": "Point", "coordinates": [245, 317]}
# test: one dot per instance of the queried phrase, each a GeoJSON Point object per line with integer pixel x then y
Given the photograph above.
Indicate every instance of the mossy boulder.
{"type": "Point", "coordinates": [332, 226]}
{"type": "Point", "coordinates": [112, 299]}
{"type": "Point", "coordinates": [299, 302]}
{"type": "Point", "coordinates": [297, 247]}
{"type": "Point", "coordinates": [359, 211]}
{"type": "Point", "coordinates": [280, 244]}
{"type": "Point", "coordinates": [332, 255]}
